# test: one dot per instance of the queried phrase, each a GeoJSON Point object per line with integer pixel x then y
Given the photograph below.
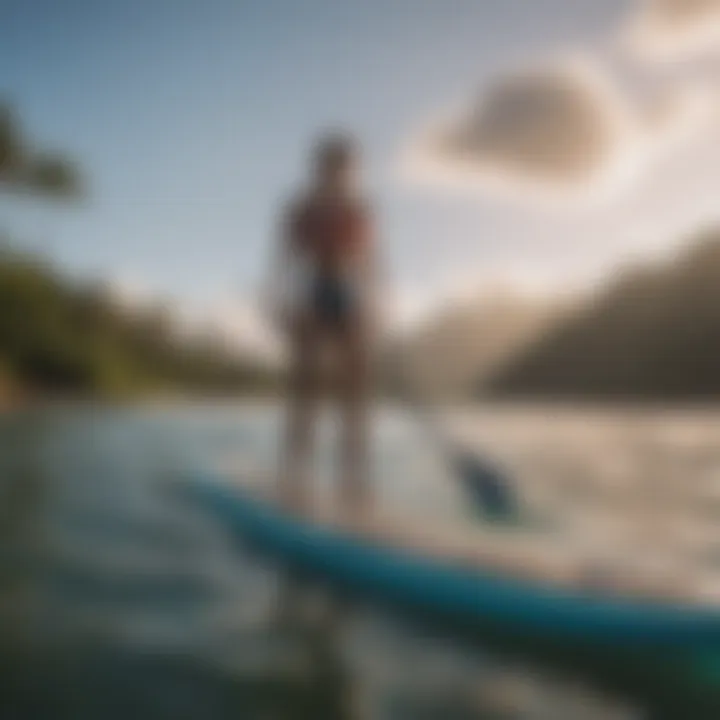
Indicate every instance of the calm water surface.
{"type": "Point", "coordinates": [120, 599]}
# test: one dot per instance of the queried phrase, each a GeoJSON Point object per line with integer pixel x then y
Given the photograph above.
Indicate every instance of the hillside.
{"type": "Point", "coordinates": [454, 348]}
{"type": "Point", "coordinates": [59, 337]}
{"type": "Point", "coordinates": [653, 333]}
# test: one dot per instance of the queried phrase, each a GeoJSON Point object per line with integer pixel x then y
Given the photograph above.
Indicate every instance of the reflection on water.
{"type": "Point", "coordinates": [121, 599]}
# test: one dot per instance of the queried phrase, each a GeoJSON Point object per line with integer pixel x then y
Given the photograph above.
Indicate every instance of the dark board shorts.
{"type": "Point", "coordinates": [334, 302]}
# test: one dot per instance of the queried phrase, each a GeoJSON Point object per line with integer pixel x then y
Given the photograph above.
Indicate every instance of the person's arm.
{"type": "Point", "coordinates": [373, 278]}
{"type": "Point", "coordinates": [279, 291]}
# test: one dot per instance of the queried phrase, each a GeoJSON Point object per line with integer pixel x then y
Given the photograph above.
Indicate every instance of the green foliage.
{"type": "Point", "coordinates": [27, 170]}
{"type": "Point", "coordinates": [52, 176]}
{"type": "Point", "coordinates": [10, 142]}
{"type": "Point", "coordinates": [61, 338]}
{"type": "Point", "coordinates": [7, 380]}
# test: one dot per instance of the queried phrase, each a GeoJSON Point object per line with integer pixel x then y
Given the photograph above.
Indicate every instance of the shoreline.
{"type": "Point", "coordinates": [21, 402]}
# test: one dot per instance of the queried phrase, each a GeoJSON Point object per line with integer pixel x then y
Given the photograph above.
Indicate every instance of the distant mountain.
{"type": "Point", "coordinates": [464, 342]}
{"type": "Point", "coordinates": [653, 333]}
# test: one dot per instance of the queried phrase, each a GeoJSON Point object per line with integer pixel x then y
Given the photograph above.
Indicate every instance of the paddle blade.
{"type": "Point", "coordinates": [488, 488]}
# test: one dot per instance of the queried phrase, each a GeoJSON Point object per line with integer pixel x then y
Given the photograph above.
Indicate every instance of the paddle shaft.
{"type": "Point", "coordinates": [488, 489]}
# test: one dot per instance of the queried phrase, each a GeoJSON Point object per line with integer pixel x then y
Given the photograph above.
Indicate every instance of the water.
{"type": "Point", "coordinates": [122, 599]}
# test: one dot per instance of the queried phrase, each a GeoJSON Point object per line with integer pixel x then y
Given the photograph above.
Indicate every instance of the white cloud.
{"type": "Point", "coordinates": [130, 294]}
{"type": "Point", "coordinates": [407, 307]}
{"type": "Point", "coordinates": [565, 131]}
{"type": "Point", "coordinates": [561, 130]}
{"type": "Point", "coordinates": [674, 29]}
{"type": "Point", "coordinates": [683, 114]}
{"type": "Point", "coordinates": [235, 323]}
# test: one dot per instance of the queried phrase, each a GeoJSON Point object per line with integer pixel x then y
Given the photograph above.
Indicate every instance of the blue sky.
{"type": "Point", "coordinates": [192, 121]}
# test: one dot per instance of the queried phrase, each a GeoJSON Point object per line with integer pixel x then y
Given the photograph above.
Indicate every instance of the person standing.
{"type": "Point", "coordinates": [328, 281]}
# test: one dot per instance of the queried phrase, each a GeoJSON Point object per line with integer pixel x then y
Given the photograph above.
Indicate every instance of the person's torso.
{"type": "Point", "coordinates": [331, 234]}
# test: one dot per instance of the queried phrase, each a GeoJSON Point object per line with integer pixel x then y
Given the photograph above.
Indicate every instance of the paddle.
{"type": "Point", "coordinates": [488, 488]}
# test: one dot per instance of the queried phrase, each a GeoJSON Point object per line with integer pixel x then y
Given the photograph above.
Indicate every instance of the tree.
{"type": "Point", "coordinates": [24, 169]}
{"type": "Point", "coordinates": [57, 336]}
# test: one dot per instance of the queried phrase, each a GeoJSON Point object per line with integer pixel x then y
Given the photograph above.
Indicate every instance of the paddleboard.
{"type": "Point", "coordinates": [500, 586]}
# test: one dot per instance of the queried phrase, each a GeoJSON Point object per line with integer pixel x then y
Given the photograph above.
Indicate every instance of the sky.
{"type": "Point", "coordinates": [536, 143]}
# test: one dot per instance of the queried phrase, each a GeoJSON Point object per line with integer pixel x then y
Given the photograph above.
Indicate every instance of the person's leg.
{"type": "Point", "coordinates": [302, 406]}
{"type": "Point", "coordinates": [353, 375]}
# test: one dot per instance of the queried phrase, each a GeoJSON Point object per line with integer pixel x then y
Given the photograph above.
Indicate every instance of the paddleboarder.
{"type": "Point", "coordinates": [327, 282]}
